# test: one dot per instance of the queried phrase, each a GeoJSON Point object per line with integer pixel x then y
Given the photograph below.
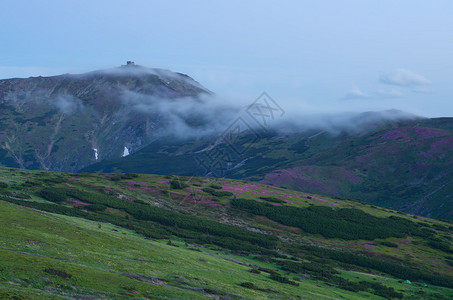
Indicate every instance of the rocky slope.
{"type": "Point", "coordinates": [67, 122]}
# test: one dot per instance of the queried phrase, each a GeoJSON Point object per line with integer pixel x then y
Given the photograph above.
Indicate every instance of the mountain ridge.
{"type": "Point", "coordinates": [334, 165]}
{"type": "Point", "coordinates": [40, 114]}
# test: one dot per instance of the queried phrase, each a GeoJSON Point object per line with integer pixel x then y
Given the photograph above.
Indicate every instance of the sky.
{"type": "Point", "coordinates": [309, 56]}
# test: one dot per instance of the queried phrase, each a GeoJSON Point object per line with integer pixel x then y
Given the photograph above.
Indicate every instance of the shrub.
{"type": "Point", "coordinates": [216, 186]}
{"type": "Point", "coordinates": [440, 245]}
{"type": "Point", "coordinates": [282, 279]}
{"type": "Point", "coordinates": [345, 223]}
{"type": "Point", "coordinates": [115, 178]}
{"type": "Point", "coordinates": [21, 195]}
{"type": "Point", "coordinates": [53, 195]}
{"type": "Point", "coordinates": [58, 273]}
{"type": "Point", "coordinates": [389, 244]}
{"type": "Point", "coordinates": [217, 193]}
{"type": "Point", "coordinates": [177, 184]}
{"type": "Point", "coordinates": [96, 207]}
{"type": "Point", "coordinates": [3, 185]}
{"type": "Point", "coordinates": [118, 177]}
{"type": "Point", "coordinates": [271, 199]}
{"type": "Point", "coordinates": [128, 176]}
{"type": "Point", "coordinates": [29, 183]}
{"type": "Point", "coordinates": [249, 285]}
{"type": "Point", "coordinates": [140, 201]}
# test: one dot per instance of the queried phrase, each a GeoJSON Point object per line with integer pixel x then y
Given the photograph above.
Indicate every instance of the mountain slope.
{"type": "Point", "coordinates": [67, 122]}
{"type": "Point", "coordinates": [403, 165]}
{"type": "Point", "coordinates": [88, 122]}
{"type": "Point", "coordinates": [209, 238]}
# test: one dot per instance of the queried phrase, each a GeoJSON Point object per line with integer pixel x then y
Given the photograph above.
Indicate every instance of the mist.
{"type": "Point", "coordinates": [68, 104]}
{"type": "Point", "coordinates": [212, 115]}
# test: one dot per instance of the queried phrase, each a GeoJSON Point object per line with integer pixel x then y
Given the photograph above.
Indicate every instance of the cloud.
{"type": "Point", "coordinates": [68, 104]}
{"type": "Point", "coordinates": [404, 78]}
{"type": "Point", "coordinates": [355, 94]}
{"type": "Point", "coordinates": [392, 94]}
{"type": "Point", "coordinates": [187, 117]}
{"type": "Point", "coordinates": [422, 90]}
{"type": "Point", "coordinates": [212, 115]}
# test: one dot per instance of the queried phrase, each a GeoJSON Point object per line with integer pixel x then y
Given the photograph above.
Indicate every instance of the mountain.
{"type": "Point", "coordinates": [67, 122]}
{"type": "Point", "coordinates": [121, 236]}
{"type": "Point", "coordinates": [405, 165]}
{"type": "Point", "coordinates": [141, 120]}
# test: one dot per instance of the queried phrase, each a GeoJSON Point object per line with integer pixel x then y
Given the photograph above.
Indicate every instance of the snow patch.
{"type": "Point", "coordinates": [95, 153]}
{"type": "Point", "coordinates": [125, 152]}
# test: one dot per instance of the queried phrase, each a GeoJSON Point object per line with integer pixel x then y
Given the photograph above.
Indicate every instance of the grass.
{"type": "Point", "coordinates": [103, 259]}
{"type": "Point", "coordinates": [95, 257]}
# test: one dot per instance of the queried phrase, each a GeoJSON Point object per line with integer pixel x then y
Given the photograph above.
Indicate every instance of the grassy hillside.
{"type": "Point", "coordinates": [401, 165]}
{"type": "Point", "coordinates": [148, 236]}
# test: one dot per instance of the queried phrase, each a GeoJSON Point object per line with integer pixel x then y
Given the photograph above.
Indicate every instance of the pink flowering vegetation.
{"type": "Point", "coordinates": [406, 240]}
{"type": "Point", "coordinates": [414, 134]}
{"type": "Point", "coordinates": [395, 134]}
{"type": "Point", "coordinates": [318, 179]}
{"type": "Point", "coordinates": [426, 132]}
{"type": "Point", "coordinates": [259, 190]}
{"type": "Point", "coordinates": [77, 202]}
{"type": "Point", "coordinates": [368, 246]}
{"type": "Point", "coordinates": [438, 148]}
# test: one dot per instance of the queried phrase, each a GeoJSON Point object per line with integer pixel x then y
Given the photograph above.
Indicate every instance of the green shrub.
{"type": "Point", "coordinates": [96, 207]}
{"type": "Point", "coordinates": [115, 178]}
{"type": "Point", "coordinates": [217, 193]}
{"type": "Point", "coordinates": [140, 201]}
{"type": "Point", "coordinates": [3, 185]}
{"type": "Point", "coordinates": [440, 245]}
{"type": "Point", "coordinates": [216, 186]}
{"type": "Point", "coordinates": [53, 195]}
{"type": "Point", "coordinates": [249, 285]}
{"type": "Point", "coordinates": [271, 199]}
{"type": "Point", "coordinates": [177, 184]}
{"type": "Point", "coordinates": [282, 279]}
{"type": "Point", "coordinates": [389, 244]}
{"type": "Point", "coordinates": [345, 223]}
{"type": "Point", "coordinates": [58, 273]}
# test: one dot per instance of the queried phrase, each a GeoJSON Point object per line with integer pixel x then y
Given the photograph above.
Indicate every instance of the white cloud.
{"type": "Point", "coordinates": [68, 104]}
{"type": "Point", "coordinates": [390, 94]}
{"type": "Point", "coordinates": [354, 94]}
{"type": "Point", "coordinates": [404, 78]}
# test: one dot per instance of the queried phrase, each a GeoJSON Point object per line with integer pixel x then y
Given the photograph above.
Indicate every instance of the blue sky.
{"type": "Point", "coordinates": [308, 55]}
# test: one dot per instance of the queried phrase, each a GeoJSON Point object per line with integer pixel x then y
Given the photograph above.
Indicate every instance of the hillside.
{"type": "Point", "coordinates": [67, 122]}
{"type": "Point", "coordinates": [140, 120]}
{"type": "Point", "coordinates": [404, 165]}
{"type": "Point", "coordinates": [149, 236]}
